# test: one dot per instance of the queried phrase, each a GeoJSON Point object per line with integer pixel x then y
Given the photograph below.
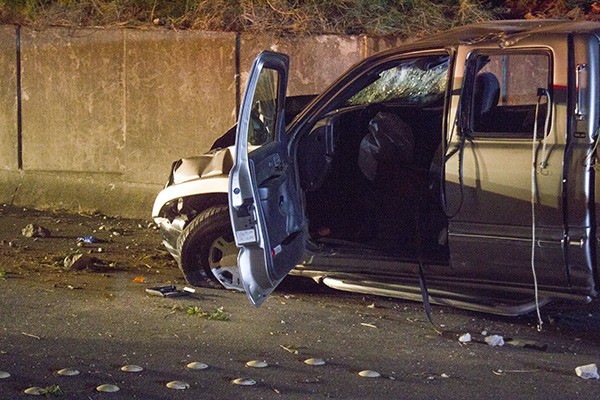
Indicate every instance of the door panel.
{"type": "Point", "coordinates": [264, 201]}
{"type": "Point", "coordinates": [489, 185]}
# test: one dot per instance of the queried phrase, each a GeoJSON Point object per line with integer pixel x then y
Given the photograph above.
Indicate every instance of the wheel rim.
{"type": "Point", "coordinates": [222, 259]}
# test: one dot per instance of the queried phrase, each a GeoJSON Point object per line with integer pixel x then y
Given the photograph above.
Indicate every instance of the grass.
{"type": "Point", "coordinates": [401, 18]}
{"type": "Point", "coordinates": [372, 17]}
{"type": "Point", "coordinates": [217, 315]}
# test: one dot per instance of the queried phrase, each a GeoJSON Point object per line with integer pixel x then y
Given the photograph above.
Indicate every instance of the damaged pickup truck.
{"type": "Point", "coordinates": [466, 159]}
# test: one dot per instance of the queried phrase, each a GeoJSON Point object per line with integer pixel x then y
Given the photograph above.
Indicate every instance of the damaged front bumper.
{"type": "Point", "coordinates": [170, 232]}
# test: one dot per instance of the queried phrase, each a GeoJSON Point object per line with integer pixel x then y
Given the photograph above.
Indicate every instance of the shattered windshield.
{"type": "Point", "coordinates": [415, 81]}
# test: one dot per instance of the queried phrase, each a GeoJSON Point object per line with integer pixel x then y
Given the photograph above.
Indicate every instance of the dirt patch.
{"type": "Point", "coordinates": [79, 244]}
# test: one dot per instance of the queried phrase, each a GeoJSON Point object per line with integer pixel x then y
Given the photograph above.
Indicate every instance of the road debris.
{"type": "Point", "coordinates": [290, 349]}
{"type": "Point", "coordinates": [79, 262]}
{"type": "Point", "coordinates": [589, 371]}
{"type": "Point", "coordinates": [139, 279]}
{"type": "Point", "coordinates": [217, 315]}
{"type": "Point", "coordinates": [166, 291]}
{"type": "Point", "coordinates": [4, 375]}
{"type": "Point", "coordinates": [465, 338]}
{"type": "Point", "coordinates": [89, 239]}
{"type": "Point", "coordinates": [500, 372]}
{"type": "Point", "coordinates": [33, 230]}
{"type": "Point", "coordinates": [30, 335]}
{"type": "Point", "coordinates": [494, 340]}
{"type": "Point", "coordinates": [53, 390]}
{"type": "Point", "coordinates": [368, 325]}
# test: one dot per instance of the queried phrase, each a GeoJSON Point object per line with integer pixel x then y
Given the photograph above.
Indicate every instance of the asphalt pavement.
{"type": "Point", "coordinates": [96, 322]}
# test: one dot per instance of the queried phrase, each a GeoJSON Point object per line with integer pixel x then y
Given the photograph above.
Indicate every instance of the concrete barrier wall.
{"type": "Point", "coordinates": [105, 112]}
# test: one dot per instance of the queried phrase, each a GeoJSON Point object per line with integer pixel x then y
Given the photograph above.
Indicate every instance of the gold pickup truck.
{"type": "Point", "coordinates": [465, 160]}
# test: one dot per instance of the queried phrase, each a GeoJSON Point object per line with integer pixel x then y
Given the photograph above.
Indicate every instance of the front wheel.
{"type": "Point", "coordinates": [208, 251]}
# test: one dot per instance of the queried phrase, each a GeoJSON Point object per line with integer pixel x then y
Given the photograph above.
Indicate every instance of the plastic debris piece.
{"type": "Point", "coordinates": [257, 364]}
{"type": "Point", "coordinates": [131, 368]}
{"type": "Point", "coordinates": [108, 388]}
{"type": "Point", "coordinates": [178, 385]}
{"type": "Point", "coordinates": [139, 279]}
{"type": "Point", "coordinates": [495, 340]}
{"type": "Point", "coordinates": [368, 325]}
{"type": "Point", "coordinates": [315, 361]}
{"type": "Point", "coordinates": [68, 372]}
{"type": "Point", "coordinates": [166, 291]}
{"type": "Point", "coordinates": [4, 375]}
{"type": "Point", "coordinates": [244, 382]}
{"type": "Point", "coordinates": [89, 239]}
{"type": "Point", "coordinates": [35, 391]}
{"type": "Point", "coordinates": [589, 371]}
{"type": "Point", "coordinates": [289, 349]}
{"type": "Point", "coordinates": [197, 365]}
{"type": "Point", "coordinates": [465, 338]}
{"type": "Point", "coordinates": [445, 376]}
{"type": "Point", "coordinates": [367, 373]}
{"type": "Point", "coordinates": [189, 289]}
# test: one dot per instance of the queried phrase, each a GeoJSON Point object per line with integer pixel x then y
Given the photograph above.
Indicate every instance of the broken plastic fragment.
{"type": "Point", "coordinates": [197, 365]}
{"type": "Point", "coordinates": [4, 375]}
{"type": "Point", "coordinates": [139, 279]}
{"type": "Point", "coordinates": [257, 364]}
{"type": "Point", "coordinates": [89, 239]}
{"type": "Point", "coordinates": [166, 291]}
{"type": "Point", "coordinates": [465, 338]}
{"type": "Point", "coordinates": [131, 368]}
{"type": "Point", "coordinates": [178, 385]}
{"type": "Point", "coordinates": [108, 388]}
{"type": "Point", "coordinates": [315, 361]}
{"type": "Point", "coordinates": [68, 372]}
{"type": "Point", "coordinates": [367, 373]}
{"type": "Point", "coordinates": [495, 340]}
{"type": "Point", "coordinates": [244, 382]}
{"type": "Point", "coordinates": [589, 371]}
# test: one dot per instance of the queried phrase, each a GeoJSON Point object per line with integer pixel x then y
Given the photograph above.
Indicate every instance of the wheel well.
{"type": "Point", "coordinates": [192, 206]}
{"type": "Point", "coordinates": [198, 203]}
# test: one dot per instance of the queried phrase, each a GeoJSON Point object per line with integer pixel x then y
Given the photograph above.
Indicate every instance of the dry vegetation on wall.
{"type": "Point", "coordinates": [404, 18]}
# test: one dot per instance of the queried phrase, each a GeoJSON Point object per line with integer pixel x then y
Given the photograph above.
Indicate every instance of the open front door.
{"type": "Point", "coordinates": [264, 197]}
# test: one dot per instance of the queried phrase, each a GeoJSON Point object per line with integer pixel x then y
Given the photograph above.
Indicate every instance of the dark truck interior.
{"type": "Point", "coordinates": [369, 182]}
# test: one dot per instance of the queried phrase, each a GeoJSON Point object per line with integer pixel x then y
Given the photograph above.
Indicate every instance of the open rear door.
{"type": "Point", "coordinates": [264, 197]}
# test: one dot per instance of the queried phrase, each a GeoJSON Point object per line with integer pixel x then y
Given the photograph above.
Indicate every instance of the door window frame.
{"type": "Point", "coordinates": [467, 110]}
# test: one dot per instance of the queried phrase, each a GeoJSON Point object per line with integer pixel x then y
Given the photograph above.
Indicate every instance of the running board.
{"type": "Point", "coordinates": [439, 297]}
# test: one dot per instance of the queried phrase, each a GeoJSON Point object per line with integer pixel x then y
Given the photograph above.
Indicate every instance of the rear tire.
{"type": "Point", "coordinates": [208, 250]}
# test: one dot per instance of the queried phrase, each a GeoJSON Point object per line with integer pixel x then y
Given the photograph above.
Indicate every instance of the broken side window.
{"type": "Point", "coordinates": [506, 92]}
